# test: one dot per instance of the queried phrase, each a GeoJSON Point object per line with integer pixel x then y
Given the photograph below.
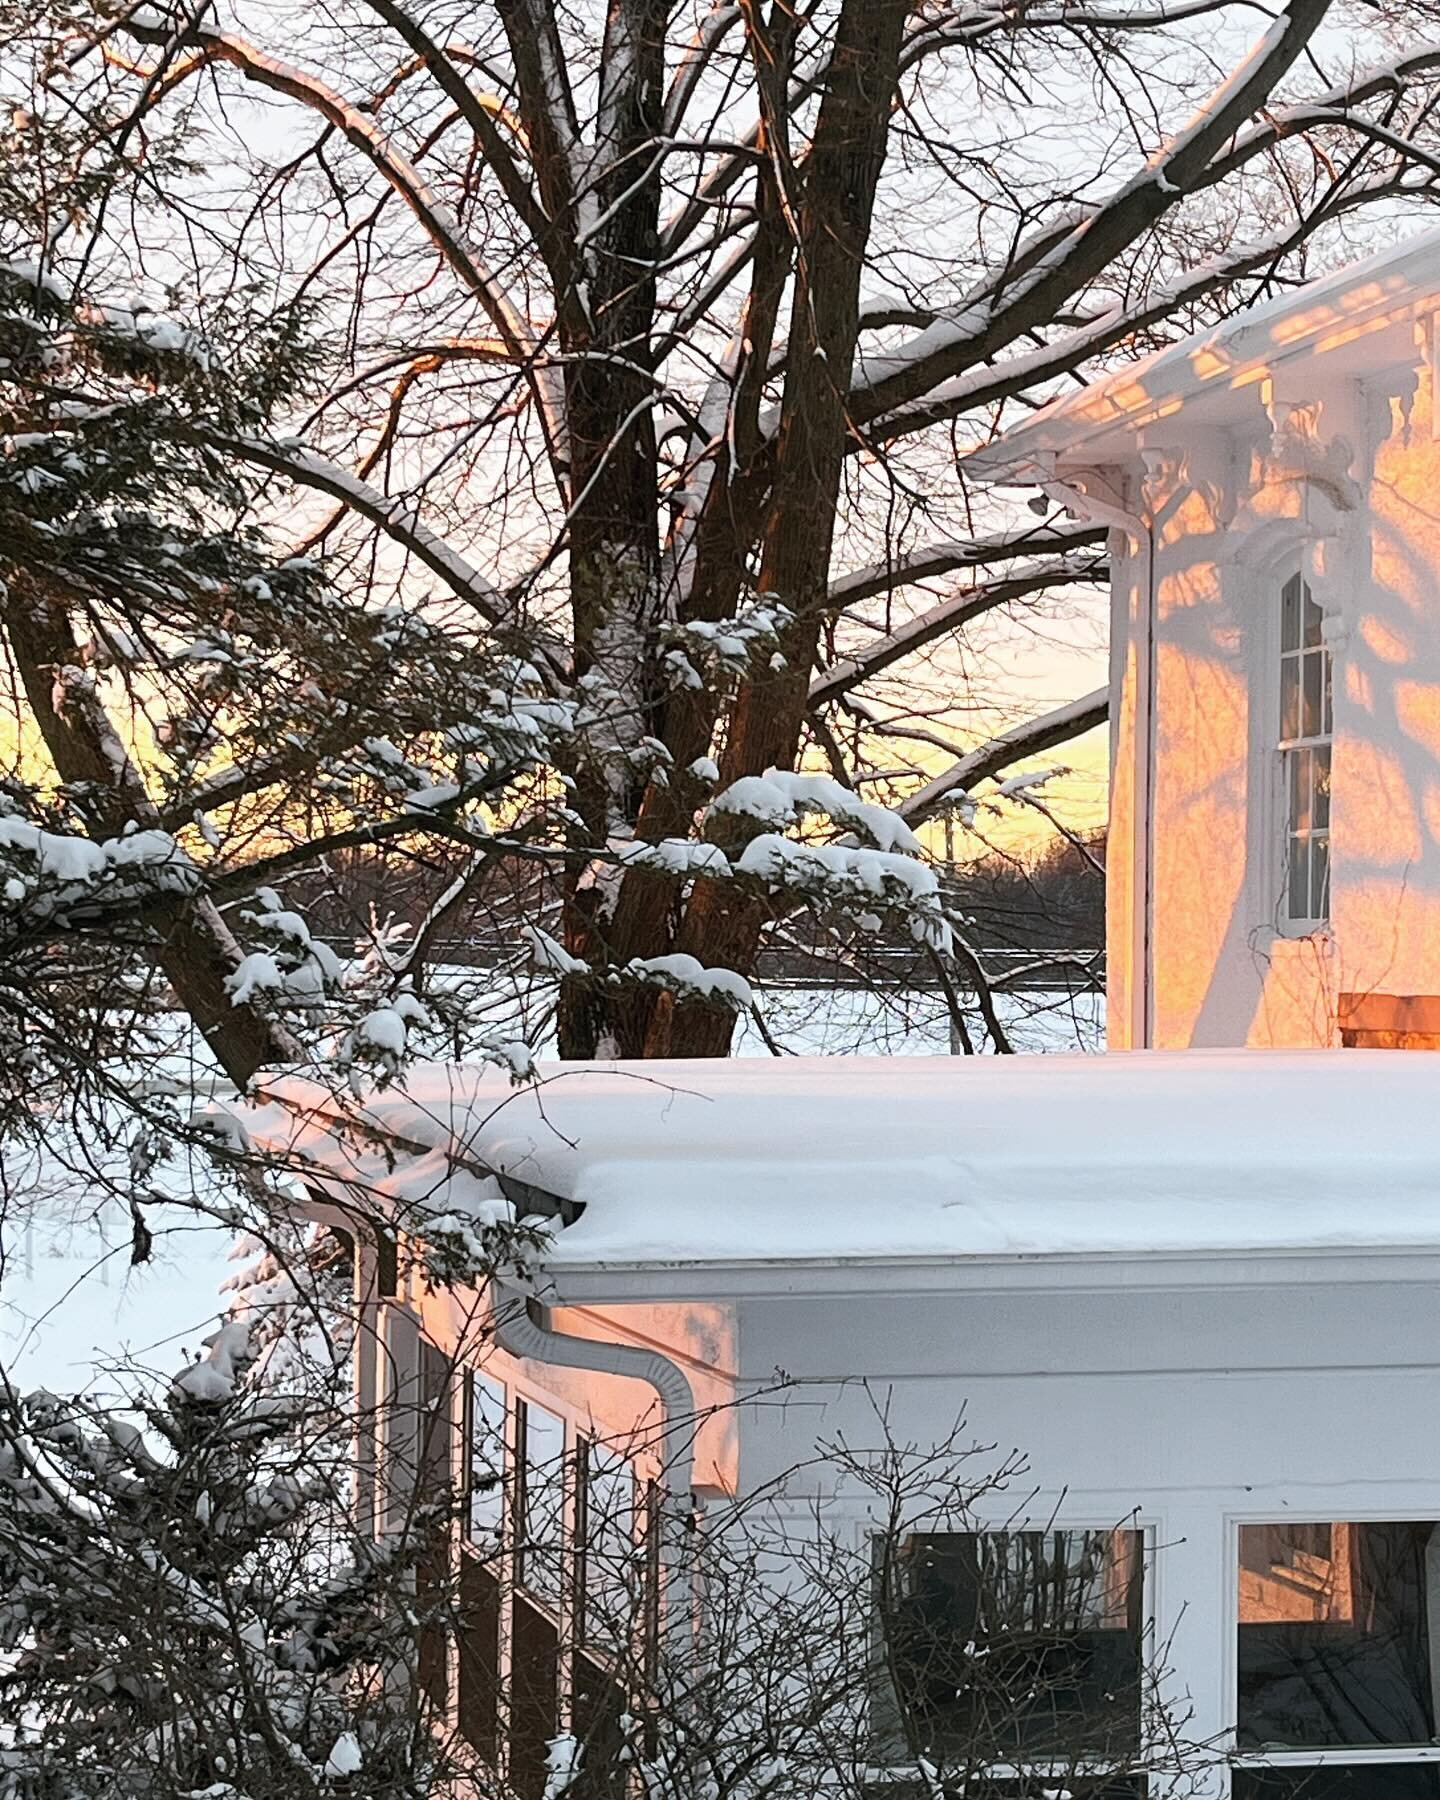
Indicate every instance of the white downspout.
{"type": "Point", "coordinates": [519, 1332]}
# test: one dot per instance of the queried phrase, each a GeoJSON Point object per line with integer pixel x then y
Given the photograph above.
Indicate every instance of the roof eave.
{"type": "Point", "coordinates": [1227, 359]}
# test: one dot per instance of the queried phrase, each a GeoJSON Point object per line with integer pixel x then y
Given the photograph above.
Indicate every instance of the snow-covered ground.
{"type": "Point", "coordinates": [71, 1303]}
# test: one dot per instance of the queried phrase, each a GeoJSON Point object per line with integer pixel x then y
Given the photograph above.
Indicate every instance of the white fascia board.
{"type": "Point", "coordinates": [620, 1284]}
{"type": "Point", "coordinates": [1333, 315]}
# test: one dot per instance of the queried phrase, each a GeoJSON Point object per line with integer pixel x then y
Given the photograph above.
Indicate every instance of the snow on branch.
{"type": "Point", "coordinates": [46, 875]}
{"type": "Point", "coordinates": [1009, 747]}
{"type": "Point", "coordinates": [779, 797]}
{"type": "Point", "coordinates": [1116, 325]}
{"type": "Point", "coordinates": [688, 979]}
{"type": "Point", "coordinates": [860, 882]}
{"type": "Point", "coordinates": [1040, 285]}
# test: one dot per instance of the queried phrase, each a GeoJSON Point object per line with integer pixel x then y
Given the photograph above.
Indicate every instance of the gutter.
{"type": "Point", "coordinates": [520, 1331]}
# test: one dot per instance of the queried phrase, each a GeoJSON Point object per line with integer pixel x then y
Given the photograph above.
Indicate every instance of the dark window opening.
{"type": "Point", "coordinates": [1368, 1781]}
{"type": "Point", "coordinates": [1071, 1784]}
{"type": "Point", "coordinates": [432, 1570]}
{"type": "Point", "coordinates": [599, 1707]}
{"type": "Point", "coordinates": [1015, 1646]}
{"type": "Point", "coordinates": [387, 1264]}
{"type": "Point", "coordinates": [432, 1583]}
{"type": "Point", "coordinates": [479, 1646]}
{"type": "Point", "coordinates": [534, 1684]}
{"type": "Point", "coordinates": [1336, 1636]}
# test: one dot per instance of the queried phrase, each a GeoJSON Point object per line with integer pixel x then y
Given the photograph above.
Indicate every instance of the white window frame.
{"type": "Point", "coordinates": [1337, 1756]}
{"type": "Point", "coordinates": [1297, 750]}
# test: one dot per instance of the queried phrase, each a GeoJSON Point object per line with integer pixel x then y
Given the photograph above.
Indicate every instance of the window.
{"type": "Point", "coordinates": [485, 1462]}
{"type": "Point", "coordinates": [1019, 1649]}
{"type": "Point", "coordinates": [1306, 728]}
{"type": "Point", "coordinates": [519, 1562]}
{"type": "Point", "coordinates": [605, 1547]}
{"type": "Point", "coordinates": [1337, 1660]}
{"type": "Point", "coordinates": [539, 1501]}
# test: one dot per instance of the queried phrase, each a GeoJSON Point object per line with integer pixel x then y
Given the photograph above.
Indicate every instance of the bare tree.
{"type": "Point", "coordinates": [626, 359]}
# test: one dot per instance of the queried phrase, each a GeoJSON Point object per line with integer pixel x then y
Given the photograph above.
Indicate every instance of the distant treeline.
{"type": "Point", "coordinates": [1050, 899]}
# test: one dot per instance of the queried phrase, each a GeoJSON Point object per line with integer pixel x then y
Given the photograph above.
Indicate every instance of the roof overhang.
{"type": "Point", "coordinates": [855, 1175]}
{"type": "Point", "coordinates": [1360, 319]}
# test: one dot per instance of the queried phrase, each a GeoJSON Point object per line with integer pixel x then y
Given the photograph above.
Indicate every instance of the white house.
{"type": "Point", "coordinates": [1272, 485]}
{"type": "Point", "coordinates": [1196, 1291]}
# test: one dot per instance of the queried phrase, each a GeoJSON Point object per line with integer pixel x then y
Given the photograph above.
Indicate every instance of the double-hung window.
{"type": "Point", "coordinates": [1306, 730]}
{"type": "Point", "coordinates": [1016, 1659]}
{"type": "Point", "coordinates": [1338, 1661]}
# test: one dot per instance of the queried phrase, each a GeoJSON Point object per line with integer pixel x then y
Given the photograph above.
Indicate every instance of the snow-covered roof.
{"type": "Point", "coordinates": [1343, 313]}
{"type": "Point", "coordinates": [886, 1160]}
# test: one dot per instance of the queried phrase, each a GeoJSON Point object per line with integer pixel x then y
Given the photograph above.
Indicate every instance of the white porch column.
{"type": "Point", "coordinates": [1193, 1579]}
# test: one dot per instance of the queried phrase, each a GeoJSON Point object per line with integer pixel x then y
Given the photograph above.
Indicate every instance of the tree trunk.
{"type": "Point", "coordinates": [842, 171]}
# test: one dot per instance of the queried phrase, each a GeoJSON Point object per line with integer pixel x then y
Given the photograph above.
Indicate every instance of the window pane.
{"type": "Point", "coordinates": [1335, 1635]}
{"type": "Point", "coordinates": [1327, 724]}
{"type": "Point", "coordinates": [542, 1542]}
{"type": "Point", "coordinates": [1297, 889]}
{"type": "Point", "coordinates": [1290, 697]}
{"type": "Point", "coordinates": [1290, 614]}
{"type": "Point", "coordinates": [1320, 775]}
{"type": "Point", "coordinates": [1385, 1781]}
{"type": "Point", "coordinates": [435, 1426]}
{"type": "Point", "coordinates": [1301, 777]}
{"type": "Point", "coordinates": [610, 1550]}
{"type": "Point", "coordinates": [485, 1462]}
{"type": "Point", "coordinates": [1314, 617]}
{"type": "Point", "coordinates": [1320, 878]}
{"type": "Point", "coordinates": [1017, 1643]}
{"type": "Point", "coordinates": [1313, 712]}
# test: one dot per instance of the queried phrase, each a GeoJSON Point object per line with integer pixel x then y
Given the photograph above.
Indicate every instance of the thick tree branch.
{"type": "Point", "coordinates": [1008, 748]}
{"type": "Point", "coordinates": [951, 555]}
{"type": "Point", "coordinates": [970, 604]}
{"type": "Point", "coordinates": [960, 341]}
